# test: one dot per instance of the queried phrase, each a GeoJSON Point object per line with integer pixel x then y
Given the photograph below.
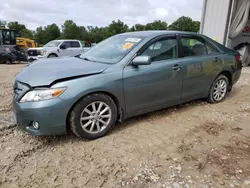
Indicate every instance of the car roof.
{"type": "Point", "coordinates": [146, 34]}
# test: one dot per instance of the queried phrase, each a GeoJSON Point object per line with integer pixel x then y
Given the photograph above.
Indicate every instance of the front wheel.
{"type": "Point", "coordinates": [93, 116]}
{"type": "Point", "coordinates": [219, 89]}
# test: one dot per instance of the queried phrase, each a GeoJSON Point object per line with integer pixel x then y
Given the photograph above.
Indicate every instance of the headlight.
{"type": "Point", "coordinates": [42, 94]}
{"type": "Point", "coordinates": [42, 52]}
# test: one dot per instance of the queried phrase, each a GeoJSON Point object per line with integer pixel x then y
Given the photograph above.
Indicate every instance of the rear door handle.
{"type": "Point", "coordinates": [176, 67]}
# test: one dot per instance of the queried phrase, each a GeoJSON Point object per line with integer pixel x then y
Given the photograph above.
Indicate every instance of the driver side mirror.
{"type": "Point", "coordinates": [63, 47]}
{"type": "Point", "coordinates": [141, 60]}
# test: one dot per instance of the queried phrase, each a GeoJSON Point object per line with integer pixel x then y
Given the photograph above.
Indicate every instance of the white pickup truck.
{"type": "Point", "coordinates": [56, 48]}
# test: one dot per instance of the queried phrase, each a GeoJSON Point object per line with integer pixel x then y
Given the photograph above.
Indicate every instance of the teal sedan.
{"type": "Point", "coordinates": [123, 76]}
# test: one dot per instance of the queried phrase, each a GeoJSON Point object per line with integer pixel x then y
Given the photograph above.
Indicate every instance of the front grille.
{"type": "Point", "coordinates": [33, 53]}
{"type": "Point", "coordinates": [20, 89]}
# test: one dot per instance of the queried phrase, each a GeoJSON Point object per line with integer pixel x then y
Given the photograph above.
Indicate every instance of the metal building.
{"type": "Point", "coordinates": [227, 22]}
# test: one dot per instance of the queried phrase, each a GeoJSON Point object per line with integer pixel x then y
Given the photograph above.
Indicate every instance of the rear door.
{"type": "Point", "coordinates": [75, 48]}
{"type": "Point", "coordinates": [199, 60]}
{"type": "Point", "coordinates": [150, 87]}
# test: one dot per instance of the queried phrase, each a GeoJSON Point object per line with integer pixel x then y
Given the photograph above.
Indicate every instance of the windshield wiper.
{"type": "Point", "coordinates": [86, 59]}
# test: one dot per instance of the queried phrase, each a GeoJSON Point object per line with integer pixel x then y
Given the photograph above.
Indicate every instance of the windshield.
{"type": "Point", "coordinates": [112, 50]}
{"type": "Point", "coordinates": [53, 43]}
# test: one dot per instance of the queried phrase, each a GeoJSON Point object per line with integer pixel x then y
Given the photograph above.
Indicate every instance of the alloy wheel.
{"type": "Point", "coordinates": [95, 117]}
{"type": "Point", "coordinates": [220, 90]}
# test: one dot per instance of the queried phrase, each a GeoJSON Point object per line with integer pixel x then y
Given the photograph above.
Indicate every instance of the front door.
{"type": "Point", "coordinates": [151, 87]}
{"type": "Point", "coordinates": [68, 51]}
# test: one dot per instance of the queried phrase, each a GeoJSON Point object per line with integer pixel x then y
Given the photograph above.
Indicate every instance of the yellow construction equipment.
{"type": "Point", "coordinates": [25, 43]}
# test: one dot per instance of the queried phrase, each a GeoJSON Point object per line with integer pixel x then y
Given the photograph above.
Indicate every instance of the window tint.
{"type": "Point", "coordinates": [162, 50]}
{"type": "Point", "coordinates": [196, 47]}
{"type": "Point", "coordinates": [67, 44]}
{"type": "Point", "coordinates": [75, 44]}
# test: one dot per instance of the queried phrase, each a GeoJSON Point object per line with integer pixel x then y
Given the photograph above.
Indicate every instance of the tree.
{"type": "Point", "coordinates": [71, 31]}
{"type": "Point", "coordinates": [52, 32]}
{"type": "Point", "coordinates": [26, 33]}
{"type": "Point", "coordinates": [20, 29]}
{"type": "Point", "coordinates": [45, 34]}
{"type": "Point", "coordinates": [138, 27]}
{"type": "Point", "coordinates": [157, 25]}
{"type": "Point", "coordinates": [185, 24]}
{"type": "Point", "coordinates": [117, 28]}
{"type": "Point", "coordinates": [40, 35]}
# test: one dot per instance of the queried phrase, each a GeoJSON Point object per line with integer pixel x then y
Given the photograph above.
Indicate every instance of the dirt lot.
{"type": "Point", "coordinates": [191, 145]}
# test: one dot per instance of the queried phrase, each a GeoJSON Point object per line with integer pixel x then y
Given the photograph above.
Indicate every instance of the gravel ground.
{"type": "Point", "coordinates": [191, 145]}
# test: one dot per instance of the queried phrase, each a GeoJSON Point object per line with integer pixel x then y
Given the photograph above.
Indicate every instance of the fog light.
{"type": "Point", "coordinates": [35, 125]}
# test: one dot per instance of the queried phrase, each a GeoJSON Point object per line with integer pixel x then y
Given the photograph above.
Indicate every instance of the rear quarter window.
{"type": "Point", "coordinates": [75, 44]}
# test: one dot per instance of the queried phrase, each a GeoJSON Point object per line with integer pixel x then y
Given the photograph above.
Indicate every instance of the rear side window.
{"type": "Point", "coordinates": [162, 50]}
{"type": "Point", "coordinates": [196, 47]}
{"type": "Point", "coordinates": [211, 49]}
{"type": "Point", "coordinates": [75, 44]}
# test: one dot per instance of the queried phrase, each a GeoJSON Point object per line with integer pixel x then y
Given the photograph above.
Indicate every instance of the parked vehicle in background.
{"type": "Point", "coordinates": [9, 52]}
{"type": "Point", "coordinates": [56, 48]}
{"type": "Point", "coordinates": [26, 43]}
{"type": "Point", "coordinates": [123, 76]}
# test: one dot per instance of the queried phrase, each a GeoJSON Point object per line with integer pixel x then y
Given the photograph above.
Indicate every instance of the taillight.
{"type": "Point", "coordinates": [239, 59]}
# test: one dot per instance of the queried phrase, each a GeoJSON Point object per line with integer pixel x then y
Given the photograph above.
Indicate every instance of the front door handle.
{"type": "Point", "coordinates": [176, 67]}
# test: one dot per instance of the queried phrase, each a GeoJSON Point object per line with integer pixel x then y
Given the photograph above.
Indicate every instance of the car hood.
{"type": "Point", "coordinates": [39, 48]}
{"type": "Point", "coordinates": [46, 71]}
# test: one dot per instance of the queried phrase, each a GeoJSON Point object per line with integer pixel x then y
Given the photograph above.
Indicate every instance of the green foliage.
{"type": "Point", "coordinates": [185, 24]}
{"type": "Point", "coordinates": [45, 34]}
{"type": "Point", "coordinates": [70, 30]}
{"type": "Point", "coordinates": [157, 25]}
{"type": "Point", "coordinates": [117, 28]}
{"type": "Point", "coordinates": [20, 29]}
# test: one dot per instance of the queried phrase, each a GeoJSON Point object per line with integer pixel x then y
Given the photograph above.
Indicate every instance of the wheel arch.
{"type": "Point", "coordinates": [120, 110]}
{"type": "Point", "coordinates": [229, 76]}
{"type": "Point", "coordinates": [53, 53]}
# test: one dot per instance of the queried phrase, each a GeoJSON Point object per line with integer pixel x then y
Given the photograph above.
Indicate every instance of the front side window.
{"type": "Point", "coordinates": [196, 47]}
{"type": "Point", "coordinates": [162, 50]}
{"type": "Point", "coordinates": [67, 44]}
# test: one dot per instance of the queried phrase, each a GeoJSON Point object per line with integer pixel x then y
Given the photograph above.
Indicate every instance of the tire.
{"type": "Point", "coordinates": [82, 111]}
{"type": "Point", "coordinates": [52, 56]}
{"type": "Point", "coordinates": [8, 62]}
{"type": "Point", "coordinates": [213, 97]}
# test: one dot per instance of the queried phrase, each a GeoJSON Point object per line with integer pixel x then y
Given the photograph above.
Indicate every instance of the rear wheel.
{"type": "Point", "coordinates": [93, 116]}
{"type": "Point", "coordinates": [219, 89]}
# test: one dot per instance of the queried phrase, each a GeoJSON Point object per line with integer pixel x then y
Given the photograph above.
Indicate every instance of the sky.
{"type": "Point", "coordinates": [34, 13]}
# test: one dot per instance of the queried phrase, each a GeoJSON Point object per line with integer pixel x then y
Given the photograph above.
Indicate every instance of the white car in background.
{"type": "Point", "coordinates": [56, 48]}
